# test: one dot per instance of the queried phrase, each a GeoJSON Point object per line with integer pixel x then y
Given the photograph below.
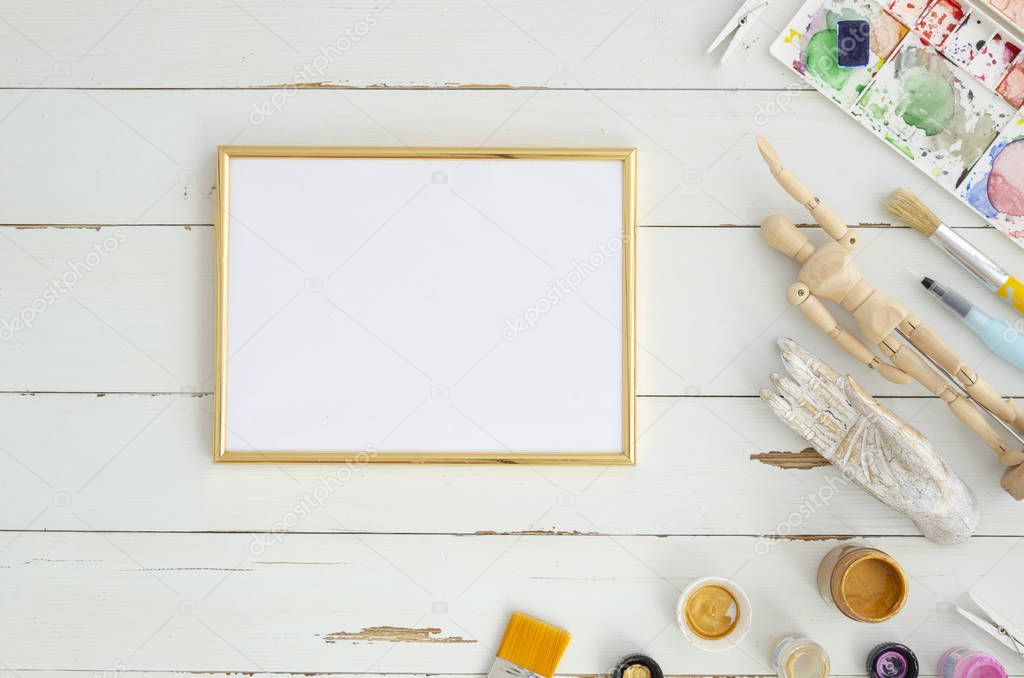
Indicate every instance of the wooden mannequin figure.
{"type": "Point", "coordinates": [828, 272]}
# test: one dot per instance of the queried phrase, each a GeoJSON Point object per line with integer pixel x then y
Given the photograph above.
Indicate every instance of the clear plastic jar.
{"type": "Point", "coordinates": [799, 657]}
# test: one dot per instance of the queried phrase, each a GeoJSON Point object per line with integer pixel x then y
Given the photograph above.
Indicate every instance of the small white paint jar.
{"type": "Point", "coordinates": [713, 613]}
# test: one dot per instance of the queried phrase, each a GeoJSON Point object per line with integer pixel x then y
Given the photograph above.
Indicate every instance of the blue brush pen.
{"type": "Point", "coordinates": [1005, 341]}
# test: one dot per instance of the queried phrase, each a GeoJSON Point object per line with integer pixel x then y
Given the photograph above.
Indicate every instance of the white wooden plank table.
{"type": "Point", "coordinates": [124, 550]}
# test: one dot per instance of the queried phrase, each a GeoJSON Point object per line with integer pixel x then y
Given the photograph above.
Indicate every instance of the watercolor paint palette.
{"type": "Point", "coordinates": [941, 83]}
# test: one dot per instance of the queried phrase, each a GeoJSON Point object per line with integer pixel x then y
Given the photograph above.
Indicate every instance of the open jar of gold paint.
{"type": "Point", "coordinates": [863, 583]}
{"type": "Point", "coordinates": [713, 613]}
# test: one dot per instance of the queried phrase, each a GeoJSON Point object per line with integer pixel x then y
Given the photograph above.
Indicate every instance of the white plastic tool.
{"type": "Point", "coordinates": [995, 625]}
{"type": "Point", "coordinates": [738, 26]}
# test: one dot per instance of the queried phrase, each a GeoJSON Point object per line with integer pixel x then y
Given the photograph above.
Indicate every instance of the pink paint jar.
{"type": "Point", "coordinates": [963, 662]}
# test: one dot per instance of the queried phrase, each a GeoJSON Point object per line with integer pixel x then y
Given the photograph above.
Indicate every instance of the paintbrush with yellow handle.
{"type": "Point", "coordinates": [909, 209]}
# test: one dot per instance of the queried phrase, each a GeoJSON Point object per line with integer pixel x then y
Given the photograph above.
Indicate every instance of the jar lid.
{"type": "Point", "coordinates": [893, 660]}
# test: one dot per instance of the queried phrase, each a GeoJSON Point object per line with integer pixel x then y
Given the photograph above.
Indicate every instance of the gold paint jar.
{"type": "Point", "coordinates": [863, 583]}
{"type": "Point", "coordinates": [713, 613]}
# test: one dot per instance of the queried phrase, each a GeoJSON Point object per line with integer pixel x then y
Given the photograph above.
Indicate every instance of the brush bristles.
{"type": "Point", "coordinates": [533, 645]}
{"type": "Point", "coordinates": [906, 207]}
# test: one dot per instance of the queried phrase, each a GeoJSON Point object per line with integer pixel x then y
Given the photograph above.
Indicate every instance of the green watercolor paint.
{"type": "Point", "coordinates": [927, 102]}
{"type": "Point", "coordinates": [899, 146]}
{"type": "Point", "coordinates": [823, 59]}
{"type": "Point", "coordinates": [869, 104]}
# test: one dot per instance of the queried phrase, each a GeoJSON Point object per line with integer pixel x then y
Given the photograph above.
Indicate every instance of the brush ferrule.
{"type": "Point", "coordinates": [503, 668]}
{"type": "Point", "coordinates": [983, 268]}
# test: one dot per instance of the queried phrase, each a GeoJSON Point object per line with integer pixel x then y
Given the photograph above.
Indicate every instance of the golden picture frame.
{"type": "Point", "coordinates": [289, 347]}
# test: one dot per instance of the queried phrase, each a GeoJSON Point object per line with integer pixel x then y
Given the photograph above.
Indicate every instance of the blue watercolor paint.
{"type": "Point", "coordinates": [976, 194]}
{"type": "Point", "coordinates": [854, 38]}
{"type": "Point", "coordinates": [976, 190]}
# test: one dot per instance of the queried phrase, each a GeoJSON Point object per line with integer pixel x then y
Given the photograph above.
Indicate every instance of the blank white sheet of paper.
{"type": "Point", "coordinates": [425, 305]}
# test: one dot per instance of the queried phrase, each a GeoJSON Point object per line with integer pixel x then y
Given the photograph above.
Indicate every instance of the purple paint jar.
{"type": "Point", "coordinates": [963, 662]}
{"type": "Point", "coordinates": [892, 660]}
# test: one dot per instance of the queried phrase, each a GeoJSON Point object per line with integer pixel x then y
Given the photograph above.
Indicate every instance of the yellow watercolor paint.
{"type": "Point", "coordinates": [794, 34]}
{"type": "Point", "coordinates": [1013, 291]}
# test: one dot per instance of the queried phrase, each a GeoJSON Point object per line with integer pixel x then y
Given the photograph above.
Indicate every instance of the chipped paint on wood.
{"type": "Point", "coordinates": [395, 634]}
{"type": "Point", "coordinates": [477, 85]}
{"type": "Point", "coordinates": [808, 537]}
{"type": "Point", "coordinates": [806, 458]}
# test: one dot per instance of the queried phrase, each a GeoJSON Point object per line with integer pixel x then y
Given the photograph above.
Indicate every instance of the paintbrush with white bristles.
{"type": "Point", "coordinates": [909, 209]}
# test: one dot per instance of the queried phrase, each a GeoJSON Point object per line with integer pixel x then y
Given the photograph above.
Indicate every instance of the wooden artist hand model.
{"type": "Point", "coordinates": [828, 273]}
{"type": "Point", "coordinates": [871, 446]}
